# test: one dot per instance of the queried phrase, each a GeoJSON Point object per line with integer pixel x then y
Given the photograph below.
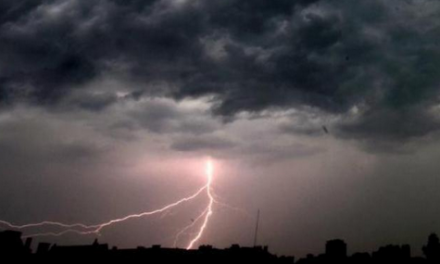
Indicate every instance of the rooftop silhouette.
{"type": "Point", "coordinates": [12, 245]}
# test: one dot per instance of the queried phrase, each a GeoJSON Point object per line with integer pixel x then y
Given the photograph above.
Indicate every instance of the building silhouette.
{"type": "Point", "coordinates": [12, 244]}
{"type": "Point", "coordinates": [336, 250]}
{"type": "Point", "coordinates": [13, 247]}
{"type": "Point", "coordinates": [432, 249]}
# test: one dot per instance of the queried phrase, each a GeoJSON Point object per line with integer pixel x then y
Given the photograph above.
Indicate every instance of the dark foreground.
{"type": "Point", "coordinates": [12, 248]}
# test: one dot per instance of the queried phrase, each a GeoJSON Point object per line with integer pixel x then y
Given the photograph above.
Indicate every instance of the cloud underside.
{"type": "Point", "coordinates": [372, 67]}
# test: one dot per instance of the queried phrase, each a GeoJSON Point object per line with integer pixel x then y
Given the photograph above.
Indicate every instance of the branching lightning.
{"type": "Point", "coordinates": [83, 229]}
{"type": "Point", "coordinates": [183, 231]}
{"type": "Point", "coordinates": [210, 175]}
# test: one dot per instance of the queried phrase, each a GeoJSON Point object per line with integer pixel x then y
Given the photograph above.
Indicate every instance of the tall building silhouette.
{"type": "Point", "coordinates": [336, 249]}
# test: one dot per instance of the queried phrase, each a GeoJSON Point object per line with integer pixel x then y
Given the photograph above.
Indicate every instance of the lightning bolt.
{"type": "Point", "coordinates": [83, 229]}
{"type": "Point", "coordinates": [183, 231]}
{"type": "Point", "coordinates": [210, 175]}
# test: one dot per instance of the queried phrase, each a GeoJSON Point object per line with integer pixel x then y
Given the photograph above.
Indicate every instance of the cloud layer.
{"type": "Point", "coordinates": [372, 64]}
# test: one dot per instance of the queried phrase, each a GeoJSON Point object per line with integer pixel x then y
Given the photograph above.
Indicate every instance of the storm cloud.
{"type": "Point", "coordinates": [377, 58]}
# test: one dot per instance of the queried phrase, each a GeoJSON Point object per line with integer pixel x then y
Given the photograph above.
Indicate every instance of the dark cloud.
{"type": "Point", "coordinates": [202, 143]}
{"type": "Point", "coordinates": [166, 116]}
{"type": "Point", "coordinates": [11, 10]}
{"type": "Point", "coordinates": [250, 55]}
{"type": "Point", "coordinates": [390, 127]}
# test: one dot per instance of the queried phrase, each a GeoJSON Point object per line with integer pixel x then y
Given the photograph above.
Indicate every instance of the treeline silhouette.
{"type": "Point", "coordinates": [12, 247]}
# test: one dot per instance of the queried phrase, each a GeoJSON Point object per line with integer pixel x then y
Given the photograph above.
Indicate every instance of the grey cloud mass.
{"type": "Point", "coordinates": [379, 57]}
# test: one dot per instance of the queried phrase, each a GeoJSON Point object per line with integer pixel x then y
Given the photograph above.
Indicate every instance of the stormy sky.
{"type": "Point", "coordinates": [323, 114]}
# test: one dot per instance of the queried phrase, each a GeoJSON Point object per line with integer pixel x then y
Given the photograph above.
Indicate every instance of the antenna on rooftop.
{"type": "Point", "coordinates": [256, 228]}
